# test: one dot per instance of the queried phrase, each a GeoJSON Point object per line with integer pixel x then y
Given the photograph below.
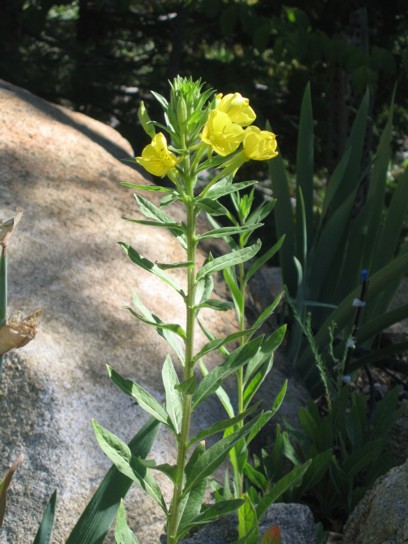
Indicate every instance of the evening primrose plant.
{"type": "Point", "coordinates": [201, 132]}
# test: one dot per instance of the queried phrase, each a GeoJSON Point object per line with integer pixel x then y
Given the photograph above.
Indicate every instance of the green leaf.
{"type": "Point", "coordinates": [153, 188]}
{"type": "Point", "coordinates": [173, 327]}
{"type": "Point", "coordinates": [225, 187]}
{"type": "Point", "coordinates": [204, 288]}
{"type": "Point", "coordinates": [218, 342]}
{"type": "Point", "coordinates": [248, 521]}
{"type": "Point", "coordinates": [227, 231]}
{"type": "Point", "coordinates": [214, 456]}
{"type": "Point", "coordinates": [170, 266]}
{"type": "Point", "coordinates": [44, 533]}
{"type": "Point", "coordinates": [191, 507]}
{"type": "Point", "coordinates": [151, 211]}
{"type": "Point", "coordinates": [267, 312]}
{"type": "Point", "coordinates": [216, 511]}
{"type": "Point", "coordinates": [230, 259]}
{"type": "Point", "coordinates": [221, 394]}
{"type": "Point", "coordinates": [143, 398]}
{"type": "Point", "coordinates": [290, 480]}
{"type": "Point", "coordinates": [100, 512]}
{"type": "Point", "coordinates": [256, 382]}
{"type": "Point", "coordinates": [188, 386]}
{"type": "Point", "coordinates": [237, 296]}
{"type": "Point", "coordinates": [171, 338]}
{"type": "Point", "coordinates": [149, 266]}
{"type": "Point", "coordinates": [120, 455]}
{"type": "Point", "coordinates": [210, 383]}
{"type": "Point", "coordinates": [264, 352]}
{"type": "Point", "coordinates": [305, 166]}
{"type": "Point", "coordinates": [174, 402]}
{"type": "Point", "coordinates": [284, 221]}
{"type": "Point", "coordinates": [213, 207]}
{"type": "Point", "coordinates": [215, 304]}
{"type": "Point", "coordinates": [123, 535]}
{"type": "Point", "coordinates": [221, 426]}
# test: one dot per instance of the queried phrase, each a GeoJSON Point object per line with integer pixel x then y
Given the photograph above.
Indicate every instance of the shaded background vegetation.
{"type": "Point", "coordinates": [102, 57]}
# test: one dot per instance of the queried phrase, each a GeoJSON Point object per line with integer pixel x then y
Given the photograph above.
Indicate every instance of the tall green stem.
{"type": "Point", "coordinates": [238, 476]}
{"type": "Point", "coordinates": [175, 514]}
{"type": "Point", "coordinates": [3, 294]}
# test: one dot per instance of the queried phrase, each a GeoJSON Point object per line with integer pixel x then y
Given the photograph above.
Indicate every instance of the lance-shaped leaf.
{"type": "Point", "coordinates": [143, 397]}
{"type": "Point", "coordinates": [267, 312]}
{"type": "Point", "coordinates": [265, 351]}
{"type": "Point", "coordinates": [225, 187]}
{"type": "Point", "coordinates": [221, 394]}
{"type": "Point", "coordinates": [152, 188]}
{"type": "Point", "coordinates": [213, 207]}
{"type": "Point", "coordinates": [123, 534]}
{"type": "Point", "coordinates": [149, 266]}
{"type": "Point", "coordinates": [230, 259]}
{"type": "Point", "coordinates": [222, 425]}
{"type": "Point", "coordinates": [222, 232]}
{"type": "Point", "coordinates": [121, 456]}
{"type": "Point", "coordinates": [214, 512]}
{"type": "Point", "coordinates": [219, 342]}
{"type": "Point", "coordinates": [44, 533]}
{"type": "Point", "coordinates": [173, 327]}
{"type": "Point", "coordinates": [205, 465]}
{"type": "Point", "coordinates": [174, 402]}
{"type": "Point", "coordinates": [171, 338]}
{"type": "Point", "coordinates": [204, 288]}
{"type": "Point", "coordinates": [255, 383]}
{"type": "Point", "coordinates": [210, 383]}
{"type": "Point", "coordinates": [215, 304]}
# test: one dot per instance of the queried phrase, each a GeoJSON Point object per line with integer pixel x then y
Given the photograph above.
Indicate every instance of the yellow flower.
{"type": "Point", "coordinates": [221, 133]}
{"type": "Point", "coordinates": [237, 108]}
{"type": "Point", "coordinates": [259, 145]}
{"type": "Point", "coordinates": [156, 158]}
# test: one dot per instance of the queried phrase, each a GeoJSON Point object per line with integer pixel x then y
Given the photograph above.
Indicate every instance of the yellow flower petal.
{"type": "Point", "coordinates": [221, 133]}
{"type": "Point", "coordinates": [237, 108]}
{"type": "Point", "coordinates": [156, 158]}
{"type": "Point", "coordinates": [259, 145]}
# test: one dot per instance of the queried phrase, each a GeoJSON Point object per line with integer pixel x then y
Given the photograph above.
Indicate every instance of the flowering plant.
{"type": "Point", "coordinates": [201, 132]}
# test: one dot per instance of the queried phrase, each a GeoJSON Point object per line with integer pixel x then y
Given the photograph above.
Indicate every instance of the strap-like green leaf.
{"type": "Point", "coordinates": [100, 512]}
{"type": "Point", "coordinates": [44, 533]}
{"type": "Point", "coordinates": [218, 342]}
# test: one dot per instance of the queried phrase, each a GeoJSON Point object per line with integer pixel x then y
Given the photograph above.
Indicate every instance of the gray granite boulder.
{"type": "Point", "coordinates": [381, 517]}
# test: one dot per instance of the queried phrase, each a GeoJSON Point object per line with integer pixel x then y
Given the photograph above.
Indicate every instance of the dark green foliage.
{"type": "Point", "coordinates": [347, 447]}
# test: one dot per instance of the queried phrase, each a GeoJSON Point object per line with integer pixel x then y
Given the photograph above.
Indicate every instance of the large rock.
{"type": "Point", "coordinates": [381, 517]}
